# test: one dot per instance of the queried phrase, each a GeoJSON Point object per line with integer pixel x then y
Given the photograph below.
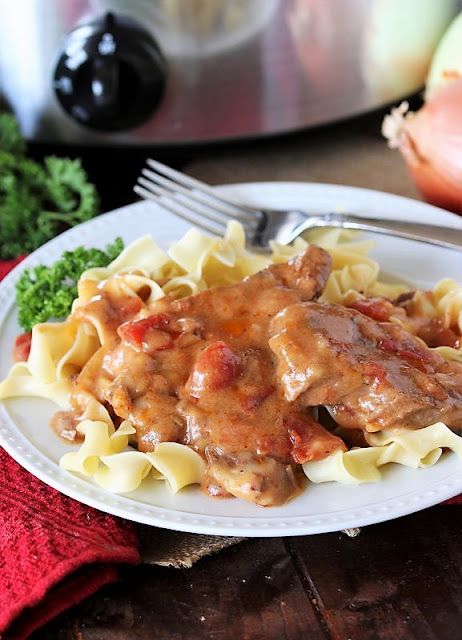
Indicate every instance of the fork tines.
{"type": "Point", "coordinates": [192, 200]}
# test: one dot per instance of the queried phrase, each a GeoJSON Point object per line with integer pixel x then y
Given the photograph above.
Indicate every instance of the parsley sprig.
{"type": "Point", "coordinates": [47, 292]}
{"type": "Point", "coordinates": [38, 201]}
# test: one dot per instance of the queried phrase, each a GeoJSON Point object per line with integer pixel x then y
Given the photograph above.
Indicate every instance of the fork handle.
{"type": "Point", "coordinates": [450, 238]}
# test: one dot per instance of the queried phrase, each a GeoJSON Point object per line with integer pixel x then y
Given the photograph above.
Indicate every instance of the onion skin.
{"type": "Point", "coordinates": [431, 144]}
{"type": "Point", "coordinates": [446, 64]}
{"type": "Point", "coordinates": [433, 186]}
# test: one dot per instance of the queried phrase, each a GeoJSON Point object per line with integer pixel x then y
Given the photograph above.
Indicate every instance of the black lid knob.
{"type": "Point", "coordinates": [111, 74]}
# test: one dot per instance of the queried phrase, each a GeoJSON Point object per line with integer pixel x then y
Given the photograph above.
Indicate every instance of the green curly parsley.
{"type": "Point", "coordinates": [45, 293]}
{"type": "Point", "coordinates": [38, 201]}
{"type": "Point", "coordinates": [11, 139]}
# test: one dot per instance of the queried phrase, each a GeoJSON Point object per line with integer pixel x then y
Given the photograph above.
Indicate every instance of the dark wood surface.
{"type": "Point", "coordinates": [401, 580]}
{"type": "Point", "coordinates": [398, 580]}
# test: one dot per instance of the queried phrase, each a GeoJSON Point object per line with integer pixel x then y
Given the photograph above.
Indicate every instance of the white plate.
{"type": "Point", "coordinates": [25, 434]}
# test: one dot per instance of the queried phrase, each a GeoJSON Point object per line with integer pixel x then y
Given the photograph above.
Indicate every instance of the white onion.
{"type": "Point", "coordinates": [446, 65]}
{"type": "Point", "coordinates": [430, 141]}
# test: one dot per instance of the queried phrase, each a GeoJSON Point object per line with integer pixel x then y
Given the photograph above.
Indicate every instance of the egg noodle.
{"type": "Point", "coordinates": [144, 272]}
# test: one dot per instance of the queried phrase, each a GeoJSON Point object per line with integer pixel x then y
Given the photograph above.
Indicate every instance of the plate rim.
{"type": "Point", "coordinates": [18, 446]}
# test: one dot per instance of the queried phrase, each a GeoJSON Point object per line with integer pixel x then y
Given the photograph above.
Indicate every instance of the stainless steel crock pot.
{"type": "Point", "coordinates": [146, 72]}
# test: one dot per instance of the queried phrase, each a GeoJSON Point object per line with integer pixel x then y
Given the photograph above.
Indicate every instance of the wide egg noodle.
{"type": "Point", "coordinates": [447, 298]}
{"type": "Point", "coordinates": [84, 345]}
{"type": "Point", "coordinates": [389, 290]}
{"type": "Point", "coordinates": [449, 353]}
{"type": "Point", "coordinates": [103, 457]}
{"type": "Point", "coordinates": [20, 383]}
{"type": "Point", "coordinates": [182, 286]}
{"type": "Point", "coordinates": [176, 463]}
{"type": "Point", "coordinates": [50, 344]}
{"type": "Point", "coordinates": [285, 252]}
{"type": "Point", "coordinates": [352, 269]}
{"type": "Point", "coordinates": [210, 262]}
{"type": "Point", "coordinates": [58, 352]}
{"type": "Point", "coordinates": [132, 284]}
{"type": "Point", "coordinates": [122, 472]}
{"type": "Point", "coordinates": [100, 439]}
{"type": "Point", "coordinates": [331, 237]}
{"type": "Point", "coordinates": [350, 467]}
{"type": "Point", "coordinates": [142, 254]}
{"type": "Point", "coordinates": [192, 251]}
{"type": "Point", "coordinates": [179, 465]}
{"type": "Point", "coordinates": [357, 277]}
{"type": "Point", "coordinates": [412, 448]}
{"type": "Point", "coordinates": [444, 302]}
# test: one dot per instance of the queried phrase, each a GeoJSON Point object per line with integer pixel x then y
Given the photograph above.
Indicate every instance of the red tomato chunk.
{"type": "Point", "coordinates": [216, 368]}
{"type": "Point", "coordinates": [21, 347]}
{"type": "Point", "coordinates": [310, 441]}
{"type": "Point", "coordinates": [148, 334]}
{"type": "Point", "coordinates": [375, 308]}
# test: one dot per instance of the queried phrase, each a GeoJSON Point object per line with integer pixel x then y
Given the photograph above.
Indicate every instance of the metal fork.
{"type": "Point", "coordinates": [203, 206]}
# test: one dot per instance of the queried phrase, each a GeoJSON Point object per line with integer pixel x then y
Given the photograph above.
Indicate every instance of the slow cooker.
{"type": "Point", "coordinates": [144, 72]}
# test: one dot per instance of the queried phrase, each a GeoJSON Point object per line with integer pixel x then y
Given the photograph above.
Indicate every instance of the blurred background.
{"type": "Point", "coordinates": [113, 81]}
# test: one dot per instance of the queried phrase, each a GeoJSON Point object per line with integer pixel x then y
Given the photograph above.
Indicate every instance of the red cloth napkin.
{"type": "Point", "coordinates": [7, 265]}
{"type": "Point", "coordinates": [54, 551]}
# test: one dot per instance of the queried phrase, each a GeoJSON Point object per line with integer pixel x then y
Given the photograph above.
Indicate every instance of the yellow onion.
{"type": "Point", "coordinates": [446, 64]}
{"type": "Point", "coordinates": [430, 141]}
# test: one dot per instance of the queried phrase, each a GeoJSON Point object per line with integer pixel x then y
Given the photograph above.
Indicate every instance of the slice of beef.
{"type": "Point", "coordinates": [199, 371]}
{"type": "Point", "coordinates": [370, 375]}
{"type": "Point", "coordinates": [259, 479]}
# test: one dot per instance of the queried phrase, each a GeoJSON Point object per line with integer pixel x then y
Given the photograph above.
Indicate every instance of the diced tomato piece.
{"type": "Point", "coordinates": [217, 367]}
{"type": "Point", "coordinates": [376, 308]}
{"type": "Point", "coordinates": [137, 333]}
{"type": "Point", "coordinates": [21, 347]}
{"type": "Point", "coordinates": [435, 334]}
{"type": "Point", "coordinates": [310, 440]}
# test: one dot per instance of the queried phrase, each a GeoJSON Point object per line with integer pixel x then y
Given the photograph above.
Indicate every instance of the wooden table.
{"type": "Point", "coordinates": [400, 580]}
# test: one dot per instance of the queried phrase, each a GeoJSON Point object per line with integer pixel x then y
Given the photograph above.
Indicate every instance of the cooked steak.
{"type": "Point", "coordinates": [370, 375]}
{"type": "Point", "coordinates": [199, 371]}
